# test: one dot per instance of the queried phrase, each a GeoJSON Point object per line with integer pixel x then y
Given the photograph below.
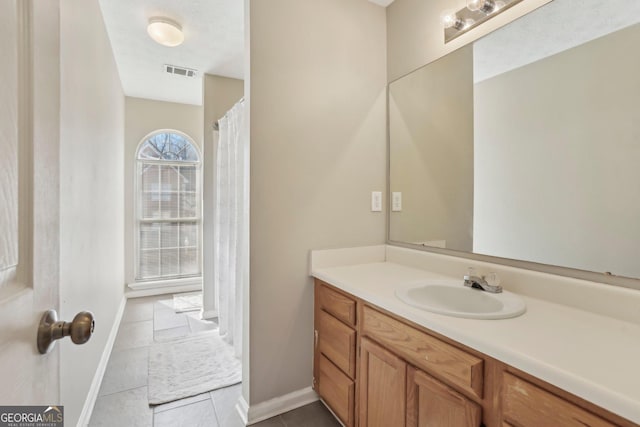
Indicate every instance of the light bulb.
{"type": "Point", "coordinates": [485, 6]}
{"type": "Point", "coordinates": [474, 5]}
{"type": "Point", "coordinates": [449, 19]}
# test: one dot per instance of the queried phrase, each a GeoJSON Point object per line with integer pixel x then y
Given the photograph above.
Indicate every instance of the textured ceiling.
{"type": "Point", "coordinates": [555, 27]}
{"type": "Point", "coordinates": [214, 44]}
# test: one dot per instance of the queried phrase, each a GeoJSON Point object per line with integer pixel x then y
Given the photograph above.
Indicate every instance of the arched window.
{"type": "Point", "coordinates": [168, 208]}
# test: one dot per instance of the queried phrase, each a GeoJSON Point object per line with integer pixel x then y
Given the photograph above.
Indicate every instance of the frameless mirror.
{"type": "Point", "coordinates": [526, 144]}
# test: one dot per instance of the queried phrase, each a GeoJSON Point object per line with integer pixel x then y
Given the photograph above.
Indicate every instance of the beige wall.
{"type": "Point", "coordinates": [91, 192]}
{"type": "Point", "coordinates": [415, 35]}
{"type": "Point", "coordinates": [220, 94]}
{"type": "Point", "coordinates": [143, 116]}
{"type": "Point", "coordinates": [431, 152]}
{"type": "Point", "coordinates": [317, 108]}
{"type": "Point", "coordinates": [566, 192]}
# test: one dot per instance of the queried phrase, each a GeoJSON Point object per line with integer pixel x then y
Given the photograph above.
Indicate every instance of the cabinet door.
{"type": "Point", "coordinates": [382, 387]}
{"type": "Point", "coordinates": [430, 403]}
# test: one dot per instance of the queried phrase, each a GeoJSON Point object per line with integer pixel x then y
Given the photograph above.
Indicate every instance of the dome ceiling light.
{"type": "Point", "coordinates": [165, 31]}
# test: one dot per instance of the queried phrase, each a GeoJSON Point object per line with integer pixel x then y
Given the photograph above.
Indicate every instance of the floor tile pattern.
{"type": "Point", "coordinates": [122, 399]}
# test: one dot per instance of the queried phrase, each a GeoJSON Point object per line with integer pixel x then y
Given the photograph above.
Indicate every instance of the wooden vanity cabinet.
{"type": "Point", "coordinates": [394, 393]}
{"type": "Point", "coordinates": [334, 366]}
{"type": "Point", "coordinates": [425, 351]}
{"type": "Point", "coordinates": [394, 386]}
{"type": "Point", "coordinates": [373, 368]}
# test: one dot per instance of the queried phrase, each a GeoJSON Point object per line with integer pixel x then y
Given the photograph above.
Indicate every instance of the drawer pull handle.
{"type": "Point", "coordinates": [315, 336]}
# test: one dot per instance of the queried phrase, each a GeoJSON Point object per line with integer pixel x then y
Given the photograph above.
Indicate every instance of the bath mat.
{"type": "Point", "coordinates": [187, 302]}
{"type": "Point", "coordinates": [189, 366]}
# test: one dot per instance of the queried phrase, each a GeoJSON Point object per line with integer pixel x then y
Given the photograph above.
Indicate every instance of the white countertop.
{"type": "Point", "coordinates": [593, 356]}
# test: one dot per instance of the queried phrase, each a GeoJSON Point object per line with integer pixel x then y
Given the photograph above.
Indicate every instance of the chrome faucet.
{"type": "Point", "coordinates": [478, 282]}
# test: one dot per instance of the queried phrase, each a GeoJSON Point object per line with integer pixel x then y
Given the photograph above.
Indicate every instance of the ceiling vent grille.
{"type": "Point", "coordinates": [180, 71]}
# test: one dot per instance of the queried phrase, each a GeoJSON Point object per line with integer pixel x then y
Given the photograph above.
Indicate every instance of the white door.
{"type": "Point", "coordinates": [29, 246]}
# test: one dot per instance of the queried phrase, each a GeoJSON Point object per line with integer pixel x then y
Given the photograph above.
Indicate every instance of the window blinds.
{"type": "Point", "coordinates": [169, 215]}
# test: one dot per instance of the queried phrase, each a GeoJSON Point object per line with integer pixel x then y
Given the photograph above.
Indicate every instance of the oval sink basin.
{"type": "Point", "coordinates": [452, 298]}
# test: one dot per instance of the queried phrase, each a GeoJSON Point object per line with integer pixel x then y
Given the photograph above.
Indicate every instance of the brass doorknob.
{"type": "Point", "coordinates": [50, 329]}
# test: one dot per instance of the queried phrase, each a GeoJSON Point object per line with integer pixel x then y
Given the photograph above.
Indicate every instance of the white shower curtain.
{"type": "Point", "coordinates": [231, 224]}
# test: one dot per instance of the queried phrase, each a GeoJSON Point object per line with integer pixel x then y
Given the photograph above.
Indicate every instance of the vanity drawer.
{"type": "Point", "coordinates": [337, 341]}
{"type": "Point", "coordinates": [527, 405]}
{"type": "Point", "coordinates": [425, 351]}
{"type": "Point", "coordinates": [335, 303]}
{"type": "Point", "coordinates": [337, 390]}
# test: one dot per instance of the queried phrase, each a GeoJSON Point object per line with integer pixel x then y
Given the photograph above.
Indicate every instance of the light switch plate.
{"type": "Point", "coordinates": [376, 201]}
{"type": "Point", "coordinates": [396, 201]}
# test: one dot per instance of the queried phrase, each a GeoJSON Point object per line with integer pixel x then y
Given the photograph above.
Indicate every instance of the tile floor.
{"type": "Point", "coordinates": [122, 400]}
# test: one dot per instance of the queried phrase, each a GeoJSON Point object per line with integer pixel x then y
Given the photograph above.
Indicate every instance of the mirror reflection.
{"type": "Point", "coordinates": [526, 144]}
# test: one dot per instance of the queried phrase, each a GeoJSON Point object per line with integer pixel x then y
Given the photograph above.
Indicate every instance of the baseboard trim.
{"type": "Point", "coordinates": [273, 407]}
{"type": "Point", "coordinates": [163, 290]}
{"type": "Point", "coordinates": [92, 395]}
{"type": "Point", "coordinates": [242, 407]}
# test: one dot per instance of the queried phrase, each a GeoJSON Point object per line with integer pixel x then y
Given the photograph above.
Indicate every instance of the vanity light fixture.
{"type": "Point", "coordinates": [484, 6]}
{"type": "Point", "coordinates": [451, 20]}
{"type": "Point", "coordinates": [165, 31]}
{"type": "Point", "coordinates": [477, 11]}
